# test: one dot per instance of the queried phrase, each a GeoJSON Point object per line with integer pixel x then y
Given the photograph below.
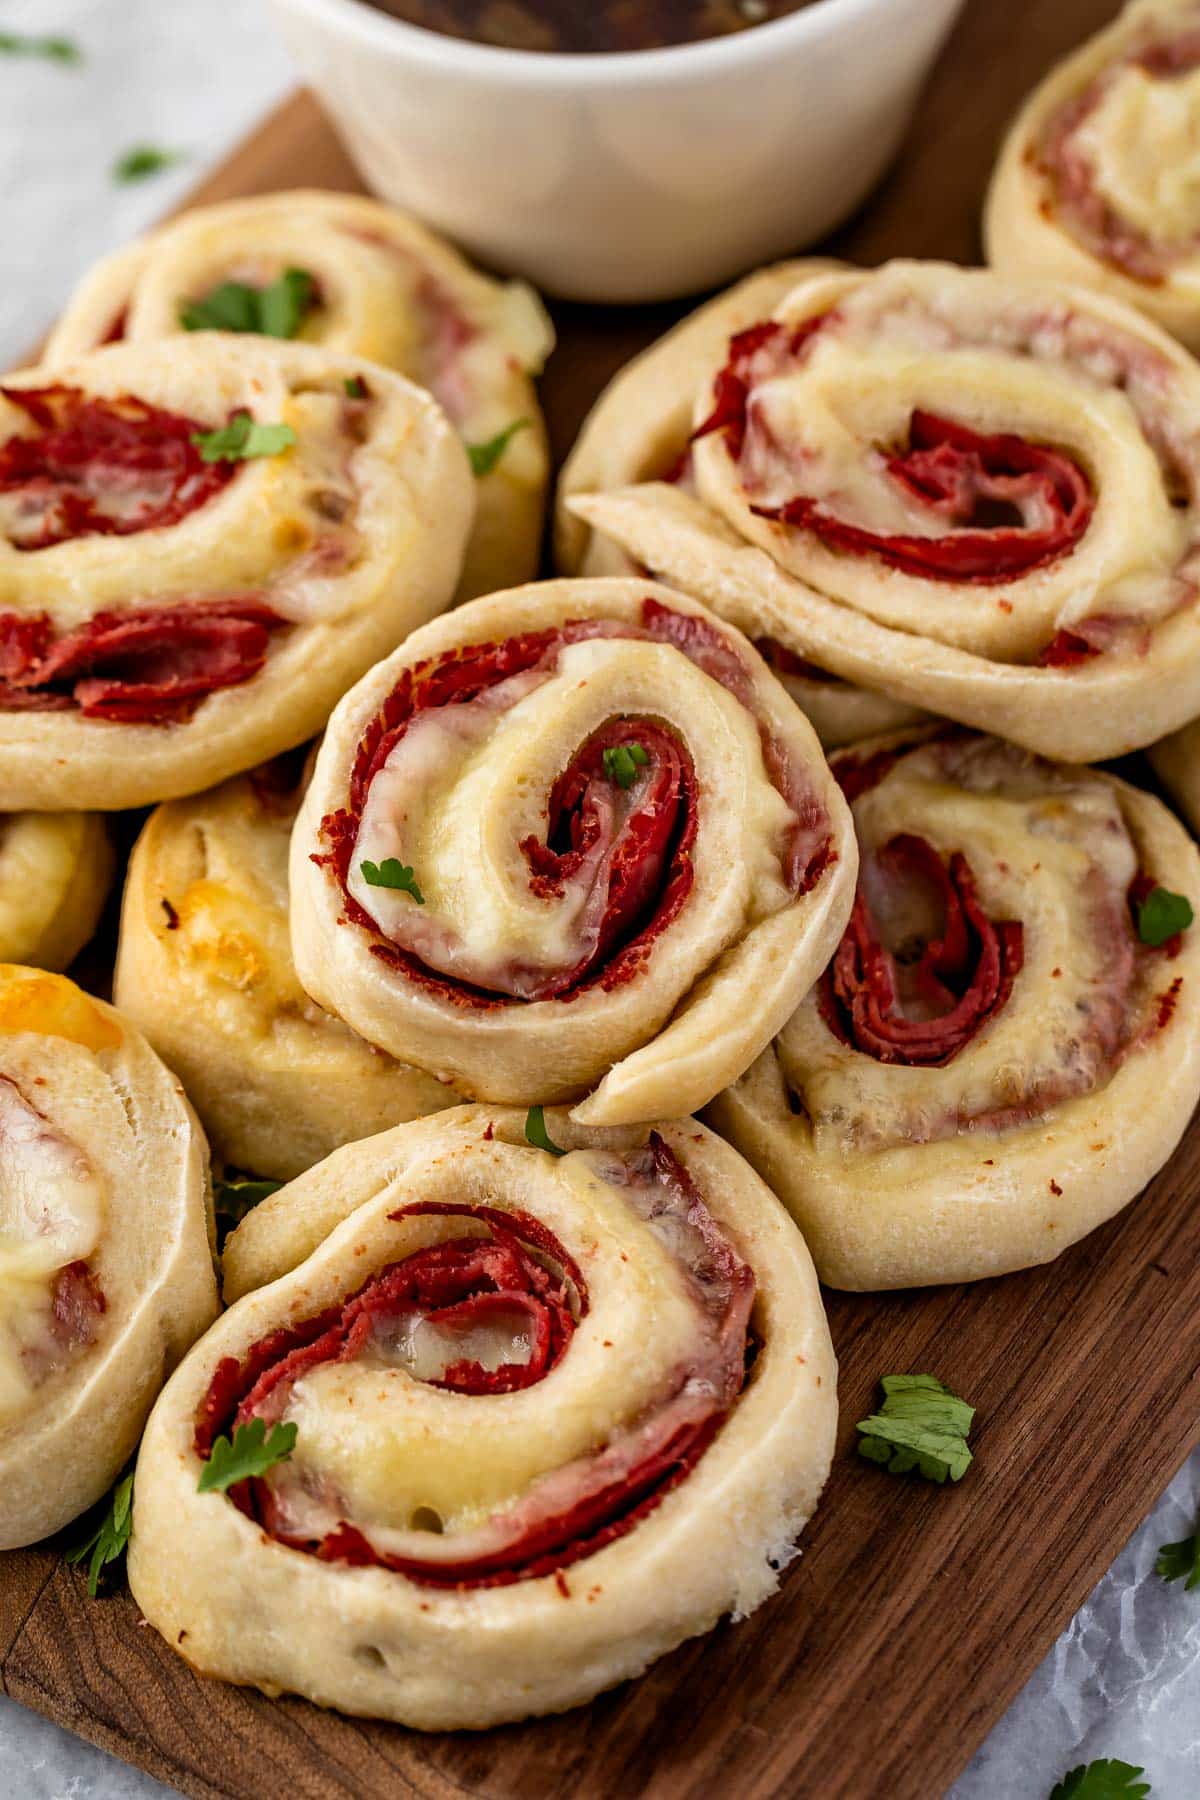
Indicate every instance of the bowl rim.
{"type": "Point", "coordinates": [566, 69]}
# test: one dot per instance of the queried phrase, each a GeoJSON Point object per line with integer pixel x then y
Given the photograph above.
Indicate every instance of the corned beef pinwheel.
{"type": "Point", "coordinates": [1006, 1044]}
{"type": "Point", "coordinates": [106, 1267]}
{"type": "Point", "coordinates": [55, 873]}
{"type": "Point", "coordinates": [520, 1420]}
{"type": "Point", "coordinates": [366, 281]}
{"type": "Point", "coordinates": [981, 497]}
{"type": "Point", "coordinates": [1176, 762]}
{"type": "Point", "coordinates": [573, 834]}
{"type": "Point", "coordinates": [203, 544]}
{"type": "Point", "coordinates": [204, 966]}
{"type": "Point", "coordinates": [638, 430]}
{"type": "Point", "coordinates": [1097, 180]}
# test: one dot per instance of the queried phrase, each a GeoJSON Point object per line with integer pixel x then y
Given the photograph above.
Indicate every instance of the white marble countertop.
{"type": "Point", "coordinates": [192, 75]}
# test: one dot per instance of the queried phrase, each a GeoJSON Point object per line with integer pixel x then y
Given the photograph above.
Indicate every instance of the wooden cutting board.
{"type": "Point", "coordinates": [914, 1614]}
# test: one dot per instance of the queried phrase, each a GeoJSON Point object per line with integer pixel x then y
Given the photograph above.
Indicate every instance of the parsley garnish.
{"type": "Point", "coordinates": [144, 160]}
{"type": "Point", "coordinates": [243, 437]}
{"type": "Point", "coordinates": [1104, 1780]}
{"type": "Point", "coordinates": [1162, 915]}
{"type": "Point", "coordinates": [53, 49]}
{"type": "Point", "coordinates": [484, 457]}
{"type": "Point", "coordinates": [622, 762]}
{"type": "Point", "coordinates": [237, 1195]}
{"type": "Point", "coordinates": [1174, 1561]}
{"type": "Point", "coordinates": [536, 1133]}
{"type": "Point", "coordinates": [356, 387]}
{"type": "Point", "coordinates": [391, 873]}
{"type": "Point", "coordinates": [276, 311]}
{"type": "Point", "coordinates": [282, 306]}
{"type": "Point", "coordinates": [252, 1452]}
{"type": "Point", "coordinates": [107, 1543]}
{"type": "Point", "coordinates": [921, 1425]}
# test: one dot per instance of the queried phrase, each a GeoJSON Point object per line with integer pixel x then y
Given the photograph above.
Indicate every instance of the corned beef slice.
{"type": "Point", "coordinates": [151, 666]}
{"type": "Point", "coordinates": [101, 466]}
{"type": "Point", "coordinates": [924, 1009]}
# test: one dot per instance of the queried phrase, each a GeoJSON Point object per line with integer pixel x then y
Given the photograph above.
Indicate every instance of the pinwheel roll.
{"type": "Point", "coordinates": [1006, 1045]}
{"type": "Point", "coordinates": [365, 281]}
{"type": "Point", "coordinates": [106, 1268]}
{"type": "Point", "coordinates": [203, 544]}
{"type": "Point", "coordinates": [204, 966]}
{"type": "Point", "coordinates": [552, 1414]}
{"type": "Point", "coordinates": [1176, 762]}
{"type": "Point", "coordinates": [1097, 183]}
{"type": "Point", "coordinates": [639, 430]}
{"type": "Point", "coordinates": [573, 834]}
{"type": "Point", "coordinates": [978, 496]}
{"type": "Point", "coordinates": [55, 873]}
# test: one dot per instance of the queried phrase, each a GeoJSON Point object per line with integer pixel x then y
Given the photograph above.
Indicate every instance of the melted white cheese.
{"type": "Point", "coordinates": [1143, 142]}
{"type": "Point", "coordinates": [51, 1214]}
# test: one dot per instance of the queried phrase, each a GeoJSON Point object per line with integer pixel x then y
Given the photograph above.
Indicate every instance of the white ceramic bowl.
{"type": "Point", "coordinates": [638, 176]}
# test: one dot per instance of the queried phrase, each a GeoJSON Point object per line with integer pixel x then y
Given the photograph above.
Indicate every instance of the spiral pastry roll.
{"type": "Point", "coordinates": [551, 1415]}
{"type": "Point", "coordinates": [55, 873]}
{"type": "Point", "coordinates": [363, 281]}
{"type": "Point", "coordinates": [203, 544]}
{"type": "Point", "coordinates": [1097, 180]}
{"type": "Point", "coordinates": [639, 430]}
{"type": "Point", "coordinates": [980, 497]}
{"type": "Point", "coordinates": [574, 834]}
{"type": "Point", "coordinates": [1006, 1045]}
{"type": "Point", "coordinates": [106, 1270]}
{"type": "Point", "coordinates": [204, 966]}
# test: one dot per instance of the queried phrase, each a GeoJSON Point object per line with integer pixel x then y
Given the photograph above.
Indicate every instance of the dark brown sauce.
{"type": "Point", "coordinates": [583, 26]}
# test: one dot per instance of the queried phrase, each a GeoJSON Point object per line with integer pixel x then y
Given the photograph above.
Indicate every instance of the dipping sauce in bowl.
{"type": "Point", "coordinates": [587, 25]}
{"type": "Point", "coordinates": [620, 150]}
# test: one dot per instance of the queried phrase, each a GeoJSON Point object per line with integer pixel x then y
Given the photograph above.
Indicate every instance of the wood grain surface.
{"type": "Point", "coordinates": [914, 1614]}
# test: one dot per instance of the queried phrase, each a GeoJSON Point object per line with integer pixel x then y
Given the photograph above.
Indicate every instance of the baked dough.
{"type": "Point", "coordinates": [158, 640]}
{"type": "Point", "coordinates": [492, 1453]}
{"type": "Point", "coordinates": [649, 933]}
{"type": "Point", "coordinates": [1097, 181]}
{"type": "Point", "coordinates": [1176, 762]}
{"type": "Point", "coordinates": [981, 497]}
{"type": "Point", "coordinates": [638, 430]}
{"type": "Point", "coordinates": [55, 873]}
{"type": "Point", "coordinates": [204, 966]}
{"type": "Point", "coordinates": [106, 1262]}
{"type": "Point", "coordinates": [388, 290]}
{"type": "Point", "coordinates": [1025, 1063]}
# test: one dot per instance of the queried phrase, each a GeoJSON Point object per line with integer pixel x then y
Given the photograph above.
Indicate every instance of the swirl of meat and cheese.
{"type": "Point", "coordinates": [106, 1269]}
{"type": "Point", "coordinates": [166, 619]}
{"type": "Point", "coordinates": [629, 858]}
{"type": "Point", "coordinates": [981, 497]}
{"type": "Point", "coordinates": [204, 967]}
{"type": "Point", "coordinates": [1097, 182]}
{"type": "Point", "coordinates": [554, 1414]}
{"type": "Point", "coordinates": [639, 430]}
{"type": "Point", "coordinates": [55, 873]}
{"type": "Point", "coordinates": [994, 1062]}
{"type": "Point", "coordinates": [374, 284]}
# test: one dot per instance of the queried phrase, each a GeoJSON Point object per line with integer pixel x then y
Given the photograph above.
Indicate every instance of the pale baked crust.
{"type": "Point", "coordinates": [904, 1176]}
{"type": "Point", "coordinates": [639, 429]}
{"type": "Point", "coordinates": [997, 356]}
{"type": "Point", "coordinates": [1176, 762]}
{"type": "Point", "coordinates": [55, 873]}
{"type": "Point", "coordinates": [390, 291]}
{"type": "Point", "coordinates": [410, 495]}
{"type": "Point", "coordinates": [204, 966]}
{"type": "Point", "coordinates": [119, 1124]}
{"type": "Point", "coordinates": [373, 1642]}
{"type": "Point", "coordinates": [1026, 231]}
{"type": "Point", "coordinates": [716, 982]}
